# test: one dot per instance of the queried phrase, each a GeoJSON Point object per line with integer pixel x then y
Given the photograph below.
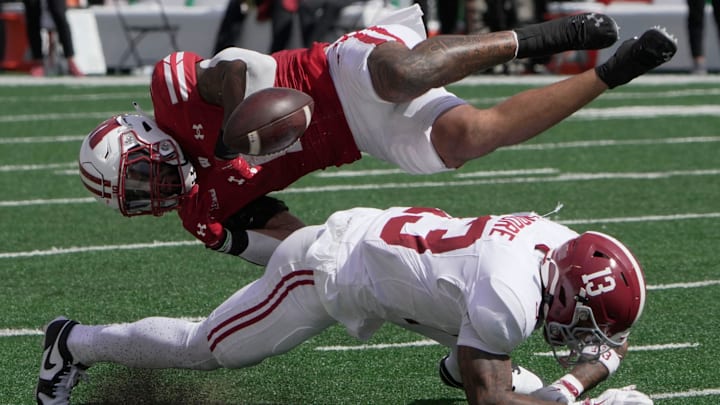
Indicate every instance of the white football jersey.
{"type": "Point", "coordinates": [466, 281]}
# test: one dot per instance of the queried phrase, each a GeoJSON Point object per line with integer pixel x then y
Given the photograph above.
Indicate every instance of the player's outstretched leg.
{"type": "Point", "coordinates": [58, 373]}
{"type": "Point", "coordinates": [638, 56]}
{"type": "Point", "coordinates": [575, 32]}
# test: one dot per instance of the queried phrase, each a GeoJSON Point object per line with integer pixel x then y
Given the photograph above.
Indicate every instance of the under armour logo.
{"type": "Point", "coordinates": [201, 229]}
{"type": "Point", "coordinates": [204, 162]}
{"type": "Point", "coordinates": [233, 179]}
{"type": "Point", "coordinates": [198, 131]}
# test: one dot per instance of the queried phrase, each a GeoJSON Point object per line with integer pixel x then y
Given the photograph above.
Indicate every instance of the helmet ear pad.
{"type": "Point", "coordinates": [599, 293]}
{"type": "Point", "coordinates": [130, 165]}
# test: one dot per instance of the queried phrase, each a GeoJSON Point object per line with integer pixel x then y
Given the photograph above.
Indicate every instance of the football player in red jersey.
{"type": "Point", "coordinates": [480, 286]}
{"type": "Point", "coordinates": [378, 90]}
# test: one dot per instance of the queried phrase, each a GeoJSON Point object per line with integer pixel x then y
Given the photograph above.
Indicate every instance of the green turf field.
{"type": "Point", "coordinates": [640, 163]}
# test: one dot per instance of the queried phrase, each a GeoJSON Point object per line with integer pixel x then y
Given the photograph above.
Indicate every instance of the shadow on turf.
{"type": "Point", "coordinates": [439, 401]}
{"type": "Point", "coordinates": [145, 387]}
{"type": "Point", "coordinates": [152, 387]}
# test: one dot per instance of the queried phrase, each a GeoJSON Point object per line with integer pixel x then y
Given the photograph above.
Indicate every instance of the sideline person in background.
{"type": "Point", "coordinates": [696, 31]}
{"type": "Point", "coordinates": [33, 17]}
{"type": "Point", "coordinates": [479, 286]}
{"type": "Point", "coordinates": [231, 25]}
{"type": "Point", "coordinates": [378, 90]}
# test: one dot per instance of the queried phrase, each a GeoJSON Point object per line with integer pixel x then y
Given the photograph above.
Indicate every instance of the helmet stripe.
{"type": "Point", "coordinates": [94, 179]}
{"type": "Point", "coordinates": [99, 133]}
{"type": "Point", "coordinates": [96, 192]}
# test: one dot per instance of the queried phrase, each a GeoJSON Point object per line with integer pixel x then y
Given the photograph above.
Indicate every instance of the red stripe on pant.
{"type": "Point", "coordinates": [215, 340]}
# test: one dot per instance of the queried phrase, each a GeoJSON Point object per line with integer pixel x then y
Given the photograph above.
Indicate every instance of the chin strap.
{"type": "Point", "coordinates": [547, 297]}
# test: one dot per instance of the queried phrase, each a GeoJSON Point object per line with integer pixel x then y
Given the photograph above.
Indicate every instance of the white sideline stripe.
{"type": "Point", "coordinates": [654, 79]}
{"type": "Point", "coordinates": [683, 285]}
{"type": "Point", "coordinates": [56, 116]}
{"type": "Point", "coordinates": [26, 203]}
{"type": "Point", "coordinates": [61, 251]}
{"type": "Point", "coordinates": [42, 139]}
{"type": "Point", "coordinates": [687, 394]}
{"type": "Point", "coordinates": [24, 168]}
{"type": "Point", "coordinates": [71, 97]}
{"type": "Point", "coordinates": [524, 146]}
{"type": "Point", "coordinates": [641, 112]}
{"type": "Point", "coordinates": [493, 173]}
{"type": "Point", "coordinates": [513, 180]}
{"type": "Point", "coordinates": [647, 218]}
{"type": "Point", "coordinates": [417, 343]}
{"type": "Point", "coordinates": [359, 173]}
{"type": "Point", "coordinates": [619, 96]}
{"type": "Point", "coordinates": [626, 112]}
{"type": "Point", "coordinates": [610, 142]}
{"type": "Point", "coordinates": [646, 348]}
{"type": "Point", "coordinates": [461, 183]}
{"type": "Point", "coordinates": [661, 79]}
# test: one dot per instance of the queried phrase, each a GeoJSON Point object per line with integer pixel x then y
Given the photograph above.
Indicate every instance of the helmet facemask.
{"type": "Point", "coordinates": [151, 176]}
{"type": "Point", "coordinates": [583, 337]}
{"type": "Point", "coordinates": [131, 165]}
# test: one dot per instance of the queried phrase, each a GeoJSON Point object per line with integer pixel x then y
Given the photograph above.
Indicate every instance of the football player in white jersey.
{"type": "Point", "coordinates": [480, 286]}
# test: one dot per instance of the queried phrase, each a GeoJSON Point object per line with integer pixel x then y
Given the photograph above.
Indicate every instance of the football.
{"type": "Point", "coordinates": [268, 121]}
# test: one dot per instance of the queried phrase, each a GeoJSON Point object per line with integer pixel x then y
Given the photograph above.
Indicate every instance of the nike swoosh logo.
{"type": "Point", "coordinates": [49, 365]}
{"type": "Point", "coordinates": [53, 352]}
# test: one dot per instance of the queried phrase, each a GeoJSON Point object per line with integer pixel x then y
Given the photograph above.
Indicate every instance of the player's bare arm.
{"type": "Point", "coordinates": [400, 74]}
{"type": "Point", "coordinates": [281, 225]}
{"type": "Point", "coordinates": [223, 84]}
{"type": "Point", "coordinates": [592, 373]}
{"type": "Point", "coordinates": [464, 133]}
{"type": "Point", "coordinates": [487, 379]}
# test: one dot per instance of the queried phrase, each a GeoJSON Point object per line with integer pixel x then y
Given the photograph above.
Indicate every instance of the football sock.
{"type": "Point", "coordinates": [637, 56]}
{"type": "Point", "coordinates": [149, 343]}
{"type": "Point", "coordinates": [581, 31]}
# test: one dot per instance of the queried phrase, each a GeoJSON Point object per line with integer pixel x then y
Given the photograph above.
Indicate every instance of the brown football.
{"type": "Point", "coordinates": [268, 121]}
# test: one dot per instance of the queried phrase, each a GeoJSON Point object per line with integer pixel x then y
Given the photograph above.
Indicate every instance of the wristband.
{"type": "Point", "coordinates": [571, 383]}
{"type": "Point", "coordinates": [608, 358]}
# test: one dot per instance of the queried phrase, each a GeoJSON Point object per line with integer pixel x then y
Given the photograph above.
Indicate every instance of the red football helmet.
{"type": "Point", "coordinates": [595, 291]}
{"type": "Point", "coordinates": [128, 163]}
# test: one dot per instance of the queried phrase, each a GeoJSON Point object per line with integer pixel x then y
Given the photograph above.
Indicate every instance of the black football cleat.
{"type": "Point", "coordinates": [58, 373]}
{"type": "Point", "coordinates": [638, 56]}
{"type": "Point", "coordinates": [575, 32]}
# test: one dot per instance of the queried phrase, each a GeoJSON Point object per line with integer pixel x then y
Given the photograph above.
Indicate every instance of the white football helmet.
{"type": "Point", "coordinates": [594, 292]}
{"type": "Point", "coordinates": [131, 165]}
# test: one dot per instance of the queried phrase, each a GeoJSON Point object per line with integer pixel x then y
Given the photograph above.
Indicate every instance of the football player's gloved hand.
{"type": "Point", "coordinates": [241, 167]}
{"type": "Point", "coordinates": [555, 392]}
{"type": "Point", "coordinates": [619, 396]}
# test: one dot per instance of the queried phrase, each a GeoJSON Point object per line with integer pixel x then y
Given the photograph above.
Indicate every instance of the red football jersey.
{"type": "Point", "coordinates": [223, 189]}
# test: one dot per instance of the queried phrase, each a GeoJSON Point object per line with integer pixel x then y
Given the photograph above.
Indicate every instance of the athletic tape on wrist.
{"type": "Point", "coordinates": [611, 360]}
{"type": "Point", "coordinates": [572, 384]}
{"type": "Point", "coordinates": [608, 358]}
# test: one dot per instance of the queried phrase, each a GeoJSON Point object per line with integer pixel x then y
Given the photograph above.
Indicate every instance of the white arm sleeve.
{"type": "Point", "coordinates": [260, 248]}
